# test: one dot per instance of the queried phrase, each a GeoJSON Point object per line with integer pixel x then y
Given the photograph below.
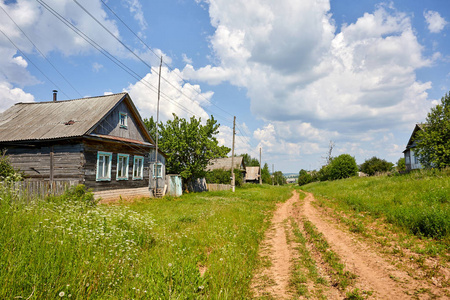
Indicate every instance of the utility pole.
{"type": "Point", "coordinates": [157, 121]}
{"type": "Point", "coordinates": [260, 168]}
{"type": "Point", "coordinates": [232, 156]}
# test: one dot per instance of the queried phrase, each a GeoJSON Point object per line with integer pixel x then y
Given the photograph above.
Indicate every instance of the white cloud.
{"type": "Point", "coordinates": [10, 95]}
{"type": "Point", "coordinates": [177, 97]}
{"type": "Point", "coordinates": [186, 59]}
{"type": "Point", "coordinates": [313, 82]}
{"type": "Point", "coordinates": [96, 67]}
{"type": "Point", "coordinates": [434, 20]}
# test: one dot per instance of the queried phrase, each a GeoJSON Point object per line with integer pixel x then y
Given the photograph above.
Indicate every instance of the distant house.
{"type": "Point", "coordinates": [225, 164]}
{"type": "Point", "coordinates": [100, 142]}
{"type": "Point", "coordinates": [411, 159]}
{"type": "Point", "coordinates": [252, 174]}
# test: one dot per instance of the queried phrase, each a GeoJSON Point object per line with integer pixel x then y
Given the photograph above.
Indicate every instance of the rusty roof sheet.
{"type": "Point", "coordinates": [53, 120]}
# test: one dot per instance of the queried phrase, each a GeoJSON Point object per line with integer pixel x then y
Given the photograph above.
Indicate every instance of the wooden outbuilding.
{"type": "Point", "coordinates": [100, 142]}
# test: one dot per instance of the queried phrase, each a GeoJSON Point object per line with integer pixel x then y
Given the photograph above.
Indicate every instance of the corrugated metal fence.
{"type": "Point", "coordinates": [32, 189]}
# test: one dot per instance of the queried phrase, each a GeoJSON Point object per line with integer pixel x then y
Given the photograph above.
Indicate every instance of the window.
{"type": "Point", "coordinates": [138, 167]}
{"type": "Point", "coordinates": [123, 120]}
{"type": "Point", "coordinates": [122, 166]}
{"type": "Point", "coordinates": [103, 166]}
{"type": "Point", "coordinates": [157, 172]}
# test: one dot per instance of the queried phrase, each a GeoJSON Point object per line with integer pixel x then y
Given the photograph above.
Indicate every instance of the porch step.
{"type": "Point", "coordinates": [158, 193]}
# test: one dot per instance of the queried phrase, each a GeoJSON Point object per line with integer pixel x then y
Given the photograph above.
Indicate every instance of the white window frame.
{"type": "Point", "coordinates": [123, 120]}
{"type": "Point", "coordinates": [159, 168]}
{"type": "Point", "coordinates": [138, 169]}
{"type": "Point", "coordinates": [123, 168]}
{"type": "Point", "coordinates": [106, 166]}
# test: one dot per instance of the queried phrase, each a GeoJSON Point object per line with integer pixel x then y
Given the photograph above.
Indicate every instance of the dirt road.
{"type": "Point", "coordinates": [329, 262]}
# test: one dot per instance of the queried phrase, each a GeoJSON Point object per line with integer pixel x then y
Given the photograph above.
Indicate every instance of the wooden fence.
{"type": "Point", "coordinates": [33, 189]}
{"type": "Point", "coordinates": [218, 187]}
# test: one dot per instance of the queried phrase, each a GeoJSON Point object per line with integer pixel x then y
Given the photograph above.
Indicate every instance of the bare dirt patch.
{"type": "Point", "coordinates": [376, 276]}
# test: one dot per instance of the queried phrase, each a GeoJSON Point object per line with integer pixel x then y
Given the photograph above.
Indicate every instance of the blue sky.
{"type": "Point", "coordinates": [296, 74]}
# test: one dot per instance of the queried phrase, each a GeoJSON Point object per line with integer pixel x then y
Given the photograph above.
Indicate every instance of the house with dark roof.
{"type": "Point", "coordinates": [411, 159]}
{"type": "Point", "coordinates": [100, 142]}
{"type": "Point", "coordinates": [225, 164]}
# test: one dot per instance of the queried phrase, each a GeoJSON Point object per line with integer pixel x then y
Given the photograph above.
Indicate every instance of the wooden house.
{"type": "Point", "coordinates": [411, 159]}
{"type": "Point", "coordinates": [225, 164]}
{"type": "Point", "coordinates": [100, 142]}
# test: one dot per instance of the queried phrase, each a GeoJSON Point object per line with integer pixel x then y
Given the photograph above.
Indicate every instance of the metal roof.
{"type": "Point", "coordinates": [55, 120]}
{"type": "Point", "coordinates": [225, 163]}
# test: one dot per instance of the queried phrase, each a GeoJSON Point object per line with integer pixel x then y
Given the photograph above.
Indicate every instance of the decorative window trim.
{"type": "Point", "coordinates": [126, 165]}
{"type": "Point", "coordinates": [140, 171]}
{"type": "Point", "coordinates": [106, 164]}
{"type": "Point", "coordinates": [123, 120]}
{"type": "Point", "coordinates": [160, 167]}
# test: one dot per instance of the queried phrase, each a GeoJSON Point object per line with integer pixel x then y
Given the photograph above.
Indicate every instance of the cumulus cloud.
{"type": "Point", "coordinates": [10, 95]}
{"type": "Point", "coordinates": [307, 79]}
{"type": "Point", "coordinates": [183, 99]}
{"type": "Point", "coordinates": [434, 20]}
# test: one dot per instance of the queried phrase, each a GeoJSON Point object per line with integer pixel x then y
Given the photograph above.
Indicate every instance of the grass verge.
{"type": "Point", "coordinates": [198, 246]}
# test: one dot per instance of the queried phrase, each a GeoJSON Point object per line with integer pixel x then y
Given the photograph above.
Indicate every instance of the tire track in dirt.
{"type": "Point", "coordinates": [374, 273]}
{"type": "Point", "coordinates": [274, 280]}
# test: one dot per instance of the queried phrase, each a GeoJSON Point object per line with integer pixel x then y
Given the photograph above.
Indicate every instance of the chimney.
{"type": "Point", "coordinates": [54, 95]}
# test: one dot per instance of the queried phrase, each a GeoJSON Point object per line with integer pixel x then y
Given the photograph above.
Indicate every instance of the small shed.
{"type": "Point", "coordinates": [252, 174]}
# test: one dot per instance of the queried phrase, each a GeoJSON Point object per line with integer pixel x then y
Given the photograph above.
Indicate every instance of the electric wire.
{"type": "Point", "coordinates": [149, 48]}
{"type": "Point", "coordinates": [126, 68]}
{"type": "Point", "coordinates": [40, 52]}
{"type": "Point", "coordinates": [110, 56]}
{"type": "Point", "coordinates": [139, 58]}
{"type": "Point", "coordinates": [29, 60]}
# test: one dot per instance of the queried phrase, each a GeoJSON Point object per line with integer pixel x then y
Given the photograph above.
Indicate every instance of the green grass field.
{"type": "Point", "coordinates": [418, 202]}
{"type": "Point", "coordinates": [202, 245]}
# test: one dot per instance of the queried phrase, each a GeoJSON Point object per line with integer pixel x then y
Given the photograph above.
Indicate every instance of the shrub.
{"type": "Point", "coordinates": [7, 171]}
{"type": "Point", "coordinates": [376, 165]}
{"type": "Point", "coordinates": [304, 177]}
{"type": "Point", "coordinates": [343, 166]}
{"type": "Point", "coordinates": [401, 165]}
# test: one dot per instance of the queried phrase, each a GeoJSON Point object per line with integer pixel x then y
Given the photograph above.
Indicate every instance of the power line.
{"type": "Point", "coordinates": [40, 52]}
{"type": "Point", "coordinates": [149, 48]}
{"type": "Point", "coordinates": [110, 56]}
{"type": "Point", "coordinates": [131, 72]}
{"type": "Point", "coordinates": [28, 59]}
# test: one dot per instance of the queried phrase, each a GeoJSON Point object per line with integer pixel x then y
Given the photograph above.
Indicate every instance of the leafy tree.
{"type": "Point", "coordinates": [401, 166]}
{"type": "Point", "coordinates": [278, 178]}
{"type": "Point", "coordinates": [189, 145]}
{"type": "Point", "coordinates": [433, 143]}
{"type": "Point", "coordinates": [375, 165]}
{"type": "Point", "coordinates": [304, 177]}
{"type": "Point", "coordinates": [249, 161]}
{"type": "Point", "coordinates": [343, 166]}
{"type": "Point", "coordinates": [265, 174]}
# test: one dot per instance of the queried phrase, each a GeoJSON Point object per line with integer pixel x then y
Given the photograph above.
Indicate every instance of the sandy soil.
{"type": "Point", "coordinates": [374, 272]}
